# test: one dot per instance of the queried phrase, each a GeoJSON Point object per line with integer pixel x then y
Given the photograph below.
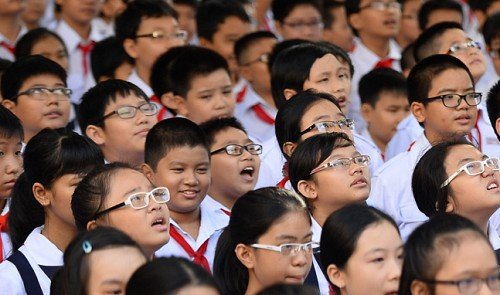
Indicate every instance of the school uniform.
{"type": "Point", "coordinates": [5, 242]}
{"type": "Point", "coordinates": [211, 224]}
{"type": "Point", "coordinates": [483, 135]}
{"type": "Point", "coordinates": [316, 277]}
{"type": "Point", "coordinates": [105, 29]}
{"type": "Point", "coordinates": [213, 206]}
{"type": "Point", "coordinates": [274, 161]}
{"type": "Point", "coordinates": [7, 47]}
{"type": "Point", "coordinates": [408, 131]}
{"type": "Point", "coordinates": [43, 259]}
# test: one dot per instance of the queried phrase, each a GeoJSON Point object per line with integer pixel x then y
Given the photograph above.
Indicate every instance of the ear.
{"type": "Point", "coordinates": [451, 205]}
{"type": "Point", "coordinates": [355, 21]}
{"type": "Point", "coordinates": [8, 104]}
{"type": "Point", "coordinates": [366, 111]}
{"type": "Point", "coordinates": [166, 99]}
{"type": "Point", "coordinates": [246, 73]}
{"type": "Point", "coordinates": [130, 47]}
{"type": "Point", "coordinates": [497, 125]}
{"type": "Point", "coordinates": [289, 147]}
{"type": "Point", "coordinates": [288, 93]}
{"type": "Point", "coordinates": [307, 189]}
{"type": "Point", "coordinates": [148, 171]}
{"type": "Point", "coordinates": [205, 43]}
{"type": "Point", "coordinates": [178, 104]}
{"type": "Point", "coordinates": [245, 255]}
{"type": "Point", "coordinates": [91, 225]}
{"type": "Point", "coordinates": [96, 133]}
{"type": "Point", "coordinates": [419, 288]}
{"type": "Point", "coordinates": [335, 276]}
{"type": "Point", "coordinates": [41, 194]}
{"type": "Point", "coordinates": [418, 110]}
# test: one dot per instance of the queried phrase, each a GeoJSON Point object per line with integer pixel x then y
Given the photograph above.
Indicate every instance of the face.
{"type": "Point", "coordinates": [376, 261]}
{"type": "Point", "coordinates": [79, 11]}
{"type": "Point", "coordinates": [185, 171]}
{"type": "Point", "coordinates": [370, 21]}
{"type": "Point", "coordinates": [197, 290]}
{"type": "Point", "coordinates": [34, 10]}
{"type": "Point", "coordinates": [11, 164]}
{"type": "Point", "coordinates": [209, 97]}
{"type": "Point", "coordinates": [232, 176]}
{"type": "Point", "coordinates": [495, 46]}
{"type": "Point", "coordinates": [52, 49]}
{"type": "Point", "coordinates": [11, 6]}
{"type": "Point", "coordinates": [444, 15]}
{"type": "Point", "coordinates": [186, 18]}
{"type": "Point", "coordinates": [60, 194]}
{"type": "Point", "coordinates": [303, 22]}
{"type": "Point", "coordinates": [340, 32]}
{"type": "Point", "coordinates": [332, 76]}
{"type": "Point", "coordinates": [36, 115]}
{"type": "Point", "coordinates": [409, 20]}
{"type": "Point", "coordinates": [442, 122]}
{"type": "Point", "coordinates": [112, 8]}
{"type": "Point", "coordinates": [111, 268]}
{"type": "Point", "coordinates": [473, 58]}
{"type": "Point", "coordinates": [147, 226]}
{"type": "Point", "coordinates": [257, 72]}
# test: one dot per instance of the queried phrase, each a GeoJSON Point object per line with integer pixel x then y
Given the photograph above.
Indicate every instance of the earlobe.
{"type": "Point", "coordinates": [91, 225]}
{"type": "Point", "coordinates": [307, 189]}
{"type": "Point", "coordinates": [355, 21]}
{"type": "Point", "coordinates": [130, 47]}
{"type": "Point", "coordinates": [167, 100]}
{"type": "Point", "coordinates": [8, 104]}
{"type": "Point", "coordinates": [450, 205]}
{"type": "Point", "coordinates": [289, 147]}
{"type": "Point", "coordinates": [40, 194]}
{"type": "Point", "coordinates": [418, 110]}
{"type": "Point", "coordinates": [419, 288]}
{"type": "Point", "coordinates": [245, 255]}
{"type": "Point", "coordinates": [288, 93]}
{"type": "Point", "coordinates": [179, 105]}
{"type": "Point", "coordinates": [366, 112]}
{"type": "Point", "coordinates": [96, 133]}
{"type": "Point", "coordinates": [335, 276]}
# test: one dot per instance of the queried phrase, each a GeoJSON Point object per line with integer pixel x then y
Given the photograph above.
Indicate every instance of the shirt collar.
{"type": "Point", "coordinates": [43, 251]}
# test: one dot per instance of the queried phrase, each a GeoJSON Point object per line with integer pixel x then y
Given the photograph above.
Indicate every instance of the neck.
{"type": "Point", "coordinates": [402, 41]}
{"type": "Point", "coordinates": [10, 26]}
{"type": "Point", "coordinates": [382, 145]}
{"type": "Point", "coordinates": [134, 160]}
{"type": "Point", "coordinates": [434, 138]}
{"type": "Point", "coordinates": [2, 204]}
{"type": "Point", "coordinates": [379, 46]}
{"type": "Point", "coordinates": [480, 219]}
{"type": "Point", "coordinates": [143, 73]}
{"type": "Point", "coordinates": [254, 286]}
{"type": "Point", "coordinates": [266, 94]}
{"type": "Point", "coordinates": [321, 213]}
{"type": "Point", "coordinates": [235, 78]}
{"type": "Point", "coordinates": [31, 25]}
{"type": "Point", "coordinates": [188, 221]}
{"type": "Point", "coordinates": [82, 29]}
{"type": "Point", "coordinates": [58, 232]}
{"type": "Point", "coordinates": [225, 200]}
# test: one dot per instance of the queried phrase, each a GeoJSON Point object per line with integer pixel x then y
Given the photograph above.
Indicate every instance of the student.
{"type": "Point", "coordinates": [4, 64]}
{"type": "Point", "coordinates": [33, 12]}
{"type": "Point", "coordinates": [437, 11]}
{"type": "Point", "coordinates": [120, 196]}
{"type": "Point", "coordinates": [449, 255]}
{"type": "Point", "coordinates": [289, 289]}
{"type": "Point", "coordinates": [277, 249]}
{"type": "Point", "coordinates": [40, 221]}
{"type": "Point", "coordinates": [200, 85]}
{"type": "Point", "coordinates": [11, 28]}
{"type": "Point", "coordinates": [185, 277]}
{"type": "Point", "coordinates": [117, 115]}
{"type": "Point", "coordinates": [234, 162]}
{"type": "Point", "coordinates": [108, 12]}
{"type": "Point", "coordinates": [186, 15]}
{"type": "Point", "coordinates": [177, 156]}
{"type": "Point", "coordinates": [109, 60]}
{"type": "Point", "coordinates": [384, 104]}
{"type": "Point", "coordinates": [442, 182]}
{"type": "Point", "coordinates": [35, 90]}
{"type": "Point", "coordinates": [493, 107]}
{"type": "Point", "coordinates": [11, 162]}
{"type": "Point", "coordinates": [336, 29]}
{"type": "Point", "coordinates": [491, 34]}
{"type": "Point", "coordinates": [409, 29]}
{"type": "Point", "coordinates": [298, 19]}
{"type": "Point", "coordinates": [99, 261]}
{"type": "Point", "coordinates": [443, 100]}
{"type": "Point", "coordinates": [255, 106]}
{"type": "Point", "coordinates": [361, 244]}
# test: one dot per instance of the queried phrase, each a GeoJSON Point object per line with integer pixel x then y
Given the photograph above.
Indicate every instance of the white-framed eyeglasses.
{"type": "Point", "coordinates": [330, 126]}
{"type": "Point", "coordinates": [474, 168]}
{"type": "Point", "coordinates": [461, 47]}
{"type": "Point", "coordinates": [161, 35]}
{"type": "Point", "coordinates": [291, 249]}
{"type": "Point", "coordinates": [344, 163]}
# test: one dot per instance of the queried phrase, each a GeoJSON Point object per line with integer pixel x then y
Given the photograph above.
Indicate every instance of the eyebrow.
{"type": "Point", "coordinates": [466, 160]}
{"type": "Point", "coordinates": [111, 282]}
{"type": "Point", "coordinates": [131, 191]}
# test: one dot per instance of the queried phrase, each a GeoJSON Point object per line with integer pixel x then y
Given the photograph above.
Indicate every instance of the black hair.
{"type": "Point", "coordinates": [212, 13]}
{"type": "Point", "coordinates": [429, 246]}
{"type": "Point", "coordinates": [493, 106]}
{"type": "Point", "coordinates": [281, 46]}
{"type": "Point", "coordinates": [4, 64]}
{"type": "Point", "coordinates": [169, 134]}
{"type": "Point", "coordinates": [182, 273]}
{"type": "Point", "coordinates": [428, 43]}
{"type": "Point", "coordinates": [107, 56]}
{"type": "Point", "coordinates": [375, 83]}
{"type": "Point", "coordinates": [342, 230]}
{"type": "Point", "coordinates": [192, 3]}
{"type": "Point", "coordinates": [482, 5]}
{"type": "Point", "coordinates": [328, 17]}
{"type": "Point", "coordinates": [30, 66]}
{"type": "Point", "coordinates": [491, 28]}
{"type": "Point", "coordinates": [94, 101]}
{"type": "Point", "coordinates": [25, 44]}
{"type": "Point", "coordinates": [289, 116]}
{"type": "Point", "coordinates": [407, 61]}
{"type": "Point", "coordinates": [212, 127]}
{"type": "Point", "coordinates": [352, 7]}
{"type": "Point", "coordinates": [128, 22]}
{"type": "Point", "coordinates": [10, 125]}
{"type": "Point", "coordinates": [282, 8]}
{"type": "Point", "coordinates": [251, 217]}
{"type": "Point", "coordinates": [75, 273]}
{"type": "Point", "coordinates": [288, 289]}
{"type": "Point", "coordinates": [432, 6]}
{"type": "Point", "coordinates": [48, 155]}
{"type": "Point", "coordinates": [244, 44]}
{"type": "Point", "coordinates": [161, 72]}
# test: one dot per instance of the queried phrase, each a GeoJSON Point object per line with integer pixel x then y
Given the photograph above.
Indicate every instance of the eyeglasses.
{"type": "Point", "coordinates": [236, 149]}
{"type": "Point", "coordinates": [42, 93]}
{"type": "Point", "coordinates": [454, 100]}
{"type": "Point", "coordinates": [471, 285]}
{"type": "Point", "coordinates": [379, 5]}
{"type": "Point", "coordinates": [292, 249]}
{"type": "Point", "coordinates": [462, 47]}
{"type": "Point", "coordinates": [160, 35]}
{"type": "Point", "coordinates": [330, 126]}
{"type": "Point", "coordinates": [127, 112]}
{"type": "Point", "coordinates": [344, 163]}
{"type": "Point", "coordinates": [474, 168]}
{"type": "Point", "coordinates": [140, 200]}
{"type": "Point", "coordinates": [263, 58]}
{"type": "Point", "coordinates": [300, 25]}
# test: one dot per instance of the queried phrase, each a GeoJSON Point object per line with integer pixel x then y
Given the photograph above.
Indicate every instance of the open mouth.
{"type": "Point", "coordinates": [492, 185]}
{"type": "Point", "coordinates": [359, 181]}
{"type": "Point", "coordinates": [190, 194]}
{"type": "Point", "coordinates": [159, 221]}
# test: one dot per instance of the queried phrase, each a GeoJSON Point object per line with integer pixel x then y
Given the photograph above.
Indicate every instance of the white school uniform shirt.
{"type": "Point", "coordinates": [323, 284]}
{"type": "Point", "coordinates": [38, 251]}
{"type": "Point", "coordinates": [6, 53]}
{"type": "Point", "coordinates": [105, 29]}
{"type": "Point", "coordinates": [212, 205]}
{"type": "Point", "coordinates": [211, 225]}
{"type": "Point", "coordinates": [273, 161]}
{"type": "Point", "coordinates": [408, 131]}
{"type": "Point", "coordinates": [135, 79]}
{"type": "Point", "coordinates": [391, 188]}
{"type": "Point", "coordinates": [489, 144]}
{"type": "Point", "coordinates": [366, 134]}
{"type": "Point", "coordinates": [493, 236]}
{"type": "Point", "coordinates": [364, 60]}
{"type": "Point", "coordinates": [365, 147]}
{"type": "Point", "coordinates": [6, 242]}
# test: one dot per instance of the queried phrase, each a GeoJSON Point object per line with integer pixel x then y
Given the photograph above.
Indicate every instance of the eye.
{"type": "Point", "coordinates": [378, 260]}
{"type": "Point", "coordinates": [18, 153]}
{"type": "Point", "coordinates": [2, 154]}
{"type": "Point", "coordinates": [177, 169]}
{"type": "Point", "coordinates": [202, 170]}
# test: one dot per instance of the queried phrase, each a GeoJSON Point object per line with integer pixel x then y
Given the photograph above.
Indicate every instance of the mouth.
{"type": "Point", "coordinates": [189, 193]}
{"type": "Point", "coordinates": [295, 279]}
{"type": "Point", "coordinates": [53, 114]}
{"type": "Point", "coordinates": [391, 22]}
{"type": "Point", "coordinates": [248, 173]}
{"type": "Point", "coordinates": [160, 223]}
{"type": "Point", "coordinates": [359, 182]}
{"type": "Point", "coordinates": [492, 185]}
{"type": "Point", "coordinates": [463, 119]}
{"type": "Point", "coordinates": [143, 132]}
{"type": "Point", "coordinates": [342, 100]}
{"type": "Point", "coordinates": [392, 293]}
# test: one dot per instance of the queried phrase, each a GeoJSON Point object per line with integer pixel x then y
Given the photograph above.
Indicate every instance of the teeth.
{"type": "Point", "coordinates": [248, 169]}
{"type": "Point", "coordinates": [492, 186]}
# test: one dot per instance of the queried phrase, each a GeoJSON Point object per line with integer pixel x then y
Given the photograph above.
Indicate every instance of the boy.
{"type": "Point", "coordinates": [298, 19]}
{"type": "Point", "coordinates": [409, 29]}
{"type": "Point", "coordinates": [436, 11]}
{"type": "Point", "coordinates": [186, 12]}
{"type": "Point", "coordinates": [110, 9]}
{"type": "Point", "coordinates": [443, 99]}
{"type": "Point", "coordinates": [384, 104]}
{"type": "Point", "coordinates": [117, 116]}
{"type": "Point", "coordinates": [493, 106]}
{"type": "Point", "coordinates": [4, 64]}
{"type": "Point", "coordinates": [110, 61]}
{"type": "Point", "coordinates": [336, 29]}
{"type": "Point", "coordinates": [491, 33]}
{"type": "Point", "coordinates": [234, 162]}
{"type": "Point", "coordinates": [255, 108]}
{"type": "Point", "coordinates": [177, 157]}
{"type": "Point", "coordinates": [34, 89]}
{"type": "Point", "coordinates": [11, 27]}
{"type": "Point", "coordinates": [11, 164]}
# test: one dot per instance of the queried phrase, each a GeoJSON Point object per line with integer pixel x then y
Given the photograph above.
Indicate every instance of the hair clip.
{"type": "Point", "coordinates": [87, 247]}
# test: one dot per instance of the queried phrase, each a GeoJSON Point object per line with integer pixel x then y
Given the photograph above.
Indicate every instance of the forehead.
{"type": "Point", "coordinates": [230, 134]}
{"type": "Point", "coordinates": [454, 79]}
{"type": "Point", "coordinates": [156, 23]}
{"type": "Point", "coordinates": [42, 80]}
{"type": "Point", "coordinates": [261, 45]}
{"type": "Point", "coordinates": [186, 155]}
{"type": "Point", "coordinates": [343, 152]}
{"type": "Point", "coordinates": [303, 11]}
{"type": "Point", "coordinates": [233, 25]}
{"type": "Point", "coordinates": [326, 63]}
{"type": "Point", "coordinates": [460, 152]}
{"type": "Point", "coordinates": [451, 37]}
{"type": "Point", "coordinates": [217, 78]}
{"type": "Point", "coordinates": [120, 100]}
{"type": "Point", "coordinates": [127, 180]}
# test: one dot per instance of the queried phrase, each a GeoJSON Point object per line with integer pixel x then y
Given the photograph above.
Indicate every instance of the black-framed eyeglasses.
{"type": "Point", "coordinates": [453, 100]}
{"type": "Point", "coordinates": [301, 25]}
{"type": "Point", "coordinates": [140, 200]}
{"type": "Point", "coordinates": [237, 150]}
{"type": "Point", "coordinates": [330, 126]}
{"type": "Point", "coordinates": [461, 47]}
{"type": "Point", "coordinates": [380, 6]}
{"type": "Point", "coordinates": [42, 93]}
{"type": "Point", "coordinates": [470, 285]}
{"type": "Point", "coordinates": [127, 112]}
{"type": "Point", "coordinates": [161, 35]}
{"type": "Point", "coordinates": [263, 58]}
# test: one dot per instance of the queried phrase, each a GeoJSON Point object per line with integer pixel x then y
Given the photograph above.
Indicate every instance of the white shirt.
{"type": "Point", "coordinates": [212, 205]}
{"type": "Point", "coordinates": [135, 79]}
{"type": "Point", "coordinates": [493, 236]}
{"type": "Point", "coordinates": [365, 147]}
{"type": "Point", "coordinates": [39, 251]}
{"type": "Point", "coordinates": [6, 242]}
{"type": "Point", "coordinates": [324, 286]}
{"type": "Point", "coordinates": [489, 144]}
{"type": "Point", "coordinates": [408, 131]}
{"type": "Point", "coordinates": [105, 29]}
{"type": "Point", "coordinates": [6, 53]}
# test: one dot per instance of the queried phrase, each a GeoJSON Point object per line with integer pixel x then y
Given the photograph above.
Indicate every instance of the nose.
{"type": "Point", "coordinates": [191, 179]}
{"type": "Point", "coordinates": [463, 104]}
{"type": "Point", "coordinates": [301, 259]}
{"type": "Point", "coordinates": [153, 206]}
{"type": "Point", "coordinates": [394, 271]}
{"type": "Point", "coordinates": [13, 166]}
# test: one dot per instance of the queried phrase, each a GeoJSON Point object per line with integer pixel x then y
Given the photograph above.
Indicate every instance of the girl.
{"type": "Point", "coordinates": [185, 278]}
{"type": "Point", "coordinates": [100, 261]}
{"type": "Point", "coordinates": [116, 195]}
{"type": "Point", "coordinates": [361, 251]}
{"type": "Point", "coordinates": [449, 255]}
{"type": "Point", "coordinates": [455, 177]}
{"type": "Point", "coordinates": [40, 222]}
{"type": "Point", "coordinates": [268, 241]}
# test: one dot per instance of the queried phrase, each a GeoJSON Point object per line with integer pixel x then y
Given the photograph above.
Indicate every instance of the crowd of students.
{"type": "Point", "coordinates": [250, 147]}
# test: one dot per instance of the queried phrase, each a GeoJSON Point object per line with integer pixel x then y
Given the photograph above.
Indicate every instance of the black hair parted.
{"type": "Point", "coordinates": [379, 81]}
{"type": "Point", "coordinates": [427, 43]}
{"type": "Point", "coordinates": [212, 13]}
{"type": "Point", "coordinates": [212, 127]}
{"type": "Point", "coordinates": [432, 6]}
{"type": "Point", "coordinates": [245, 43]}
{"type": "Point", "coordinates": [10, 125]}
{"type": "Point", "coordinates": [282, 8]}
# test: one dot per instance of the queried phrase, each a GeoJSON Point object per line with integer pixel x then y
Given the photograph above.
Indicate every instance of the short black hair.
{"type": "Point", "coordinates": [107, 56]}
{"type": "Point", "coordinates": [161, 71]}
{"type": "Point", "coordinates": [380, 80]}
{"type": "Point", "coordinates": [352, 7]}
{"type": "Point", "coordinates": [212, 127]}
{"type": "Point", "coordinates": [493, 106]}
{"type": "Point", "coordinates": [242, 46]}
{"type": "Point", "coordinates": [491, 28]}
{"type": "Point", "coordinates": [10, 125]}
{"type": "Point", "coordinates": [30, 66]}
{"type": "Point", "coordinates": [212, 13]}
{"type": "Point", "coordinates": [95, 100]}
{"type": "Point", "coordinates": [4, 64]}
{"type": "Point", "coordinates": [328, 5]}
{"type": "Point", "coordinates": [482, 5]}
{"type": "Point", "coordinates": [281, 46]}
{"type": "Point", "coordinates": [169, 134]}
{"type": "Point", "coordinates": [282, 8]}
{"type": "Point", "coordinates": [431, 6]}
{"type": "Point", "coordinates": [427, 43]}
{"type": "Point", "coordinates": [25, 44]}
{"type": "Point", "coordinates": [407, 59]}
{"type": "Point", "coordinates": [192, 3]}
